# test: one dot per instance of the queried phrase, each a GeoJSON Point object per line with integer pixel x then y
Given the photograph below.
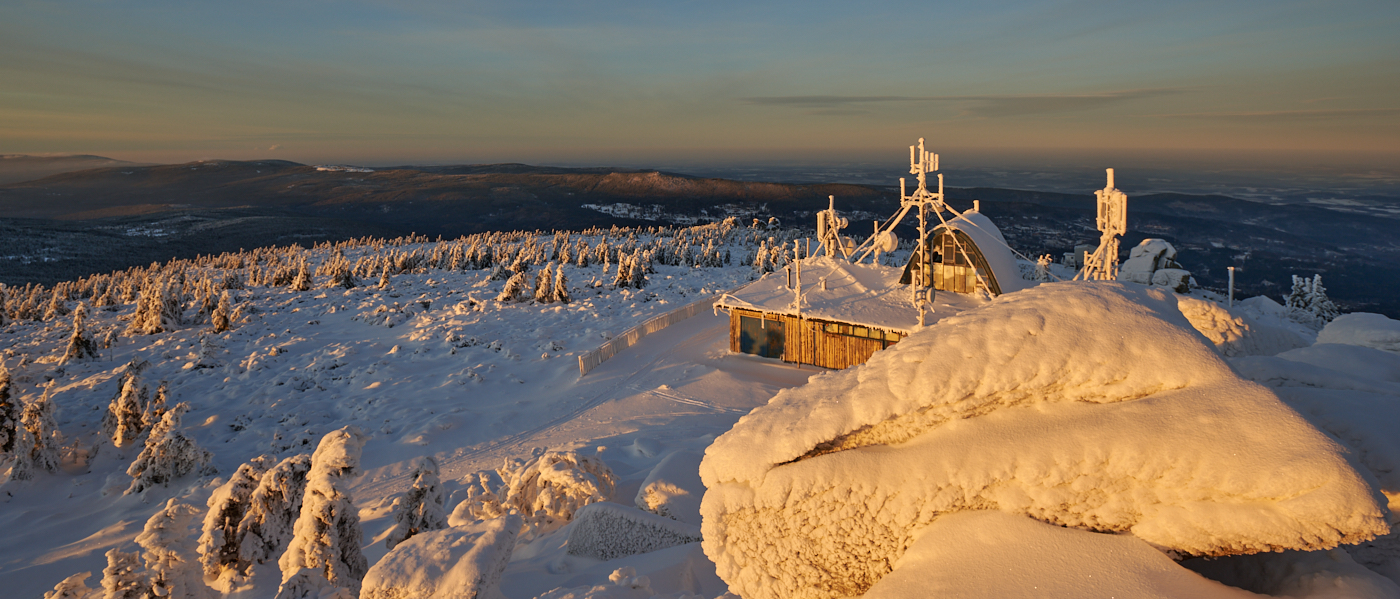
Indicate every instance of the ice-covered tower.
{"type": "Point", "coordinates": [1102, 265]}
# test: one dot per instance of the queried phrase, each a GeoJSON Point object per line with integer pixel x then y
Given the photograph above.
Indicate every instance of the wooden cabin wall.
{"type": "Point", "coordinates": [805, 342]}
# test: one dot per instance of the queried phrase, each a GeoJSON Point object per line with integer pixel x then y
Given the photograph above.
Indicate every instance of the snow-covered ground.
{"type": "Point", "coordinates": [432, 364]}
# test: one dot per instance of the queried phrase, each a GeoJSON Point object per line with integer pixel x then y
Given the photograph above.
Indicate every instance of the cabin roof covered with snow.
{"type": "Point", "coordinates": [860, 294]}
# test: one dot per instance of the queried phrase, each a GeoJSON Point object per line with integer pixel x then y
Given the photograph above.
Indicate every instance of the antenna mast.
{"type": "Point", "coordinates": [1112, 221]}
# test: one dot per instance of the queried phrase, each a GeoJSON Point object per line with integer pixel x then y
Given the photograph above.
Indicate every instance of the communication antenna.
{"type": "Point", "coordinates": [829, 225]}
{"type": "Point", "coordinates": [1102, 265]}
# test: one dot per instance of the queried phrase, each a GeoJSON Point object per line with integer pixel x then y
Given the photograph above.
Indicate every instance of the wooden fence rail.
{"type": "Point", "coordinates": [630, 337]}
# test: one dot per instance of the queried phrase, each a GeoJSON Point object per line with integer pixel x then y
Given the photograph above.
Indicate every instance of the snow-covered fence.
{"type": "Point", "coordinates": [630, 337]}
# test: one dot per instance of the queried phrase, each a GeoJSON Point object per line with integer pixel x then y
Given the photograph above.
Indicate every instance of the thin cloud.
{"type": "Point", "coordinates": [1289, 115]}
{"type": "Point", "coordinates": [986, 106]}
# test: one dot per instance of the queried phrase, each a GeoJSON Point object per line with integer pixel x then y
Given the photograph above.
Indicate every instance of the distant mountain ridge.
{"type": "Point", "coordinates": [15, 168]}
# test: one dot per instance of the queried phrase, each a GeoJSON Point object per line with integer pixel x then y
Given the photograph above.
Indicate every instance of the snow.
{"type": "Point", "coordinates": [430, 366]}
{"type": "Point", "coordinates": [462, 562]}
{"type": "Point", "coordinates": [1238, 333]}
{"type": "Point", "coordinates": [673, 489]}
{"type": "Point", "coordinates": [1312, 575]}
{"type": "Point", "coordinates": [1132, 425]}
{"type": "Point", "coordinates": [998, 555]}
{"type": "Point", "coordinates": [605, 531]}
{"type": "Point", "coordinates": [1365, 329]}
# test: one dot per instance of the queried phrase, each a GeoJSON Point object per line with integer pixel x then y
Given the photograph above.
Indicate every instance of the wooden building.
{"type": "Point", "coordinates": [849, 311]}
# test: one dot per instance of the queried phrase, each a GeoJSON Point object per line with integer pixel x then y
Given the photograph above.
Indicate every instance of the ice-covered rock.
{"type": "Point", "coordinates": [996, 555]}
{"type": "Point", "coordinates": [1176, 279]}
{"type": "Point", "coordinates": [462, 562]}
{"type": "Point", "coordinates": [607, 531]}
{"type": "Point", "coordinates": [1235, 332]}
{"type": "Point", "coordinates": [673, 489]}
{"type": "Point", "coordinates": [1363, 328]}
{"type": "Point", "coordinates": [1091, 406]}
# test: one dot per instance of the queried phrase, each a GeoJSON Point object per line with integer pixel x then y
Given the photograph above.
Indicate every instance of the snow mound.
{"type": "Point", "coordinates": [1306, 574]}
{"type": "Point", "coordinates": [462, 562]}
{"type": "Point", "coordinates": [607, 531]}
{"type": "Point", "coordinates": [1236, 333]}
{"type": "Point", "coordinates": [1132, 424]}
{"type": "Point", "coordinates": [625, 584]}
{"type": "Point", "coordinates": [1352, 360]}
{"type": "Point", "coordinates": [997, 555]}
{"type": "Point", "coordinates": [545, 490]}
{"type": "Point", "coordinates": [673, 489]}
{"type": "Point", "coordinates": [1363, 328]}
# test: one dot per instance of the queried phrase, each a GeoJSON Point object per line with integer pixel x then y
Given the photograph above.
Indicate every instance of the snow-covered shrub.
{"type": "Point", "coordinates": [626, 584]}
{"type": "Point", "coordinates": [272, 510]}
{"type": "Point", "coordinates": [220, 544]}
{"type": "Point", "coordinates": [170, 553]}
{"type": "Point", "coordinates": [464, 561]}
{"type": "Point", "coordinates": [544, 284]}
{"type": "Point", "coordinates": [545, 491]}
{"type": "Point", "coordinates": [80, 344]}
{"type": "Point", "coordinates": [311, 583]}
{"type": "Point", "coordinates": [73, 587]}
{"type": "Point", "coordinates": [168, 454]}
{"type": "Point", "coordinates": [124, 578]}
{"type": "Point", "coordinates": [158, 309]}
{"type": "Point", "coordinates": [123, 421]}
{"type": "Point", "coordinates": [605, 531]}
{"type": "Point", "coordinates": [221, 319]}
{"type": "Point", "coordinates": [1308, 303]}
{"type": "Point", "coordinates": [326, 536]}
{"type": "Point", "coordinates": [421, 508]}
{"type": "Point", "coordinates": [561, 286]}
{"type": "Point", "coordinates": [515, 286]}
{"type": "Point", "coordinates": [1134, 425]}
{"type": "Point", "coordinates": [9, 415]}
{"type": "Point", "coordinates": [673, 488]}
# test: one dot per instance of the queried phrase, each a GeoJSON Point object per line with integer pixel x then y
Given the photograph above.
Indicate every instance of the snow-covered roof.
{"type": "Point", "coordinates": [993, 246]}
{"type": "Point", "coordinates": [861, 294]}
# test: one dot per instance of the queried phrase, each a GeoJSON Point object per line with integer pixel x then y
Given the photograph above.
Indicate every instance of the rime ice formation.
{"type": "Point", "coordinates": [463, 562]}
{"type": "Point", "coordinates": [606, 531]}
{"type": "Point", "coordinates": [673, 488]}
{"type": "Point", "coordinates": [1091, 406]}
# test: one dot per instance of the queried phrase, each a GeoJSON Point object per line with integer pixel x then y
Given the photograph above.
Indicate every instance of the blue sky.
{"type": "Point", "coordinates": [604, 82]}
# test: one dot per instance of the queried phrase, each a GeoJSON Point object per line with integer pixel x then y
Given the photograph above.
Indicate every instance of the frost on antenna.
{"type": "Point", "coordinates": [1138, 427]}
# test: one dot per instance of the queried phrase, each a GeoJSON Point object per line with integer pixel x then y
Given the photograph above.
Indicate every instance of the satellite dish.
{"type": "Point", "coordinates": [886, 242]}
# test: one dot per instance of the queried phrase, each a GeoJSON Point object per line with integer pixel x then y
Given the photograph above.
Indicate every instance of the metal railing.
{"type": "Point", "coordinates": [630, 337]}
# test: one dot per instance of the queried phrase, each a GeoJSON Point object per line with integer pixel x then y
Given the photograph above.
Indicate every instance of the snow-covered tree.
{"type": "Point", "coordinates": [326, 537]}
{"type": "Point", "coordinates": [219, 542]}
{"type": "Point", "coordinates": [561, 286]}
{"type": "Point", "coordinates": [1297, 298]}
{"type": "Point", "coordinates": [544, 284]}
{"type": "Point", "coordinates": [384, 278]}
{"type": "Point", "coordinates": [273, 508]}
{"type": "Point", "coordinates": [1318, 304]}
{"type": "Point", "coordinates": [514, 287]}
{"type": "Point", "coordinates": [124, 578]}
{"type": "Point", "coordinates": [9, 414]}
{"type": "Point", "coordinates": [154, 410]}
{"type": "Point", "coordinates": [159, 308]}
{"type": "Point", "coordinates": [422, 507]}
{"type": "Point", "coordinates": [170, 553]}
{"type": "Point", "coordinates": [302, 280]}
{"type": "Point", "coordinates": [168, 454]}
{"type": "Point", "coordinates": [37, 440]}
{"type": "Point", "coordinates": [123, 421]}
{"type": "Point", "coordinates": [80, 344]}
{"type": "Point", "coordinates": [545, 491]}
{"type": "Point", "coordinates": [222, 316]}
{"type": "Point", "coordinates": [57, 305]}
{"type": "Point", "coordinates": [73, 587]}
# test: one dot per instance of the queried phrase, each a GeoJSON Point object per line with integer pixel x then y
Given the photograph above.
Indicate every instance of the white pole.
{"type": "Point", "coordinates": [1232, 287]}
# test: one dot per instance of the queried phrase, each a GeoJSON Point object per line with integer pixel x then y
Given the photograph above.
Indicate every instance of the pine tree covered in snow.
{"type": "Point", "coordinates": [514, 287]}
{"type": "Point", "coordinates": [124, 578]}
{"type": "Point", "coordinates": [123, 422]}
{"type": "Point", "coordinates": [302, 280]}
{"type": "Point", "coordinates": [168, 454]}
{"type": "Point", "coordinates": [154, 410]}
{"type": "Point", "coordinates": [80, 344]}
{"type": "Point", "coordinates": [561, 287]}
{"type": "Point", "coordinates": [220, 542]}
{"type": "Point", "coordinates": [37, 440]}
{"type": "Point", "coordinates": [327, 533]}
{"type": "Point", "coordinates": [169, 552]}
{"type": "Point", "coordinates": [158, 309]}
{"type": "Point", "coordinates": [1297, 298]}
{"type": "Point", "coordinates": [1318, 304]}
{"type": "Point", "coordinates": [272, 511]}
{"type": "Point", "coordinates": [544, 284]}
{"type": "Point", "coordinates": [73, 587]}
{"type": "Point", "coordinates": [421, 508]}
{"type": "Point", "coordinates": [222, 316]}
{"type": "Point", "coordinates": [9, 414]}
{"type": "Point", "coordinates": [545, 491]}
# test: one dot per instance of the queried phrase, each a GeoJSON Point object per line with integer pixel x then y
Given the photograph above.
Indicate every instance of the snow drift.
{"type": "Point", "coordinates": [1133, 424]}
{"type": "Point", "coordinates": [462, 562]}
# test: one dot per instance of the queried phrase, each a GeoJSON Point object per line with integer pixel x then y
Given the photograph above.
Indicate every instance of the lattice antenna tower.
{"type": "Point", "coordinates": [1102, 265]}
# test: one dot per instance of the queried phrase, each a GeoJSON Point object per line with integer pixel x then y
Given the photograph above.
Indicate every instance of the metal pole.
{"type": "Point", "coordinates": [1232, 287]}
